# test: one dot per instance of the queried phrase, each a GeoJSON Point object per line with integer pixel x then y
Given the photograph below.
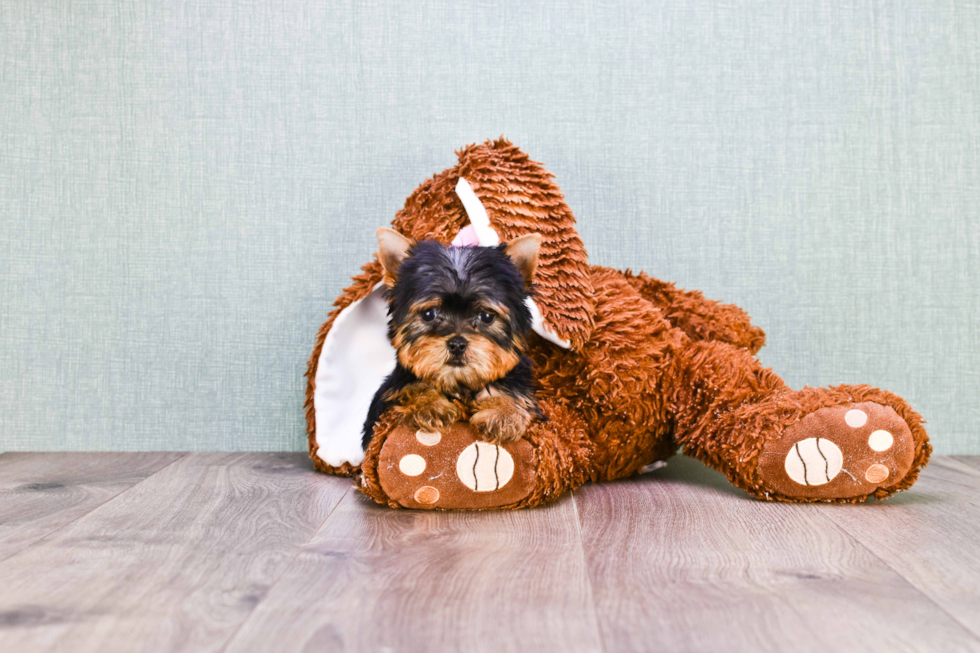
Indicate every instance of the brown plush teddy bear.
{"type": "Point", "coordinates": [629, 369]}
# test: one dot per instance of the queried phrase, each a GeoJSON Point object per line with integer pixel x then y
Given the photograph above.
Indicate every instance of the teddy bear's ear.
{"type": "Point", "coordinates": [523, 252]}
{"type": "Point", "coordinates": [392, 250]}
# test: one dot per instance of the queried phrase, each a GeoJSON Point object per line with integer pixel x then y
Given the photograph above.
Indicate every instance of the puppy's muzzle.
{"type": "Point", "coordinates": [456, 346]}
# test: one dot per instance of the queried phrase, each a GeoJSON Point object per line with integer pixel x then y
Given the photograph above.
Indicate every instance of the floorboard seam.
{"type": "Point", "coordinates": [843, 529]}
{"type": "Point", "coordinates": [94, 508]}
{"type": "Point", "coordinates": [299, 549]}
{"type": "Point", "coordinates": [588, 575]}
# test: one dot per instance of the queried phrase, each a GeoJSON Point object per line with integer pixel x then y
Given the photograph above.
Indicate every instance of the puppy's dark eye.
{"type": "Point", "coordinates": [486, 317]}
{"type": "Point", "coordinates": [429, 314]}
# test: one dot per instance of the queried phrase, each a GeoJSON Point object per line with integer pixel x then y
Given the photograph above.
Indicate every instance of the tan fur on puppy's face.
{"type": "Point", "coordinates": [428, 359]}
{"type": "Point", "coordinates": [426, 353]}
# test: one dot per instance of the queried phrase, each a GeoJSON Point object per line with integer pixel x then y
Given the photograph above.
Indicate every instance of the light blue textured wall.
{"type": "Point", "coordinates": [184, 189]}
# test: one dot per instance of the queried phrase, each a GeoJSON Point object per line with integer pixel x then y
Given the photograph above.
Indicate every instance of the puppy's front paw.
{"type": "Point", "coordinates": [430, 410]}
{"type": "Point", "coordinates": [435, 417]}
{"type": "Point", "coordinates": [500, 419]}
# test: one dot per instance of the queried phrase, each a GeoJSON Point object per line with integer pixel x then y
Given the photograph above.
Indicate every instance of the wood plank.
{"type": "Point", "coordinates": [175, 563]}
{"type": "Point", "coordinates": [41, 492]}
{"type": "Point", "coordinates": [377, 579]}
{"type": "Point", "coordinates": [930, 535]}
{"type": "Point", "coordinates": [681, 561]}
{"type": "Point", "coordinates": [971, 461]}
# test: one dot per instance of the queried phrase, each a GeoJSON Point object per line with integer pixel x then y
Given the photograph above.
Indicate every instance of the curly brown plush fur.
{"type": "Point", "coordinates": [651, 369]}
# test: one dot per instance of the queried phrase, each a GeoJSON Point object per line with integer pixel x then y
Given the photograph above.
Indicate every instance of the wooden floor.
{"type": "Point", "coordinates": [256, 552]}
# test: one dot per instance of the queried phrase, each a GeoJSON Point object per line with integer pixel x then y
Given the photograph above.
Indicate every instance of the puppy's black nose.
{"type": "Point", "coordinates": [457, 345]}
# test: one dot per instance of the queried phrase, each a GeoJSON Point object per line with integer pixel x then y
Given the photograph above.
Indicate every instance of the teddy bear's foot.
{"type": "Point", "coordinates": [840, 452]}
{"type": "Point", "coordinates": [453, 470]}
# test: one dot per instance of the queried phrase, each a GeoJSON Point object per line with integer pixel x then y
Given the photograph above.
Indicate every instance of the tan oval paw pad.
{"type": "Point", "coordinates": [428, 439]}
{"type": "Point", "coordinates": [427, 495]}
{"type": "Point", "coordinates": [881, 440]}
{"type": "Point", "coordinates": [876, 473]}
{"type": "Point", "coordinates": [411, 465]}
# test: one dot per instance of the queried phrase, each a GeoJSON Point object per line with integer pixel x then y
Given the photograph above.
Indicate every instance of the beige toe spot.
{"type": "Point", "coordinates": [876, 473]}
{"type": "Point", "coordinates": [881, 440]}
{"type": "Point", "coordinates": [428, 439]}
{"type": "Point", "coordinates": [427, 494]}
{"type": "Point", "coordinates": [856, 418]}
{"type": "Point", "coordinates": [412, 465]}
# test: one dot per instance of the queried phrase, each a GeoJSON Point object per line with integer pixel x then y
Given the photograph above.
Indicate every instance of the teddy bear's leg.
{"type": "Point", "coordinates": [698, 317]}
{"type": "Point", "coordinates": [846, 443]}
{"type": "Point", "coordinates": [455, 470]}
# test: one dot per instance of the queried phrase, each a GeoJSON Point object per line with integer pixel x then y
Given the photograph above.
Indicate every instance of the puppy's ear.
{"type": "Point", "coordinates": [523, 252]}
{"type": "Point", "coordinates": [392, 250]}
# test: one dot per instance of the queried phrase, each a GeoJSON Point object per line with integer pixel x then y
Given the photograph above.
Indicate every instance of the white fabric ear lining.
{"type": "Point", "coordinates": [355, 360]}
{"type": "Point", "coordinates": [540, 328]}
{"type": "Point", "coordinates": [477, 214]}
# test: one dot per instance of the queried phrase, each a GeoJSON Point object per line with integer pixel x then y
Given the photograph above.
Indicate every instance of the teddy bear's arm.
{"type": "Point", "coordinates": [406, 468]}
{"type": "Point", "coordinates": [697, 316]}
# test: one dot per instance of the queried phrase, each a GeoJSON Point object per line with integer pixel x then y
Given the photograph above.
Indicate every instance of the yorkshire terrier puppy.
{"type": "Point", "coordinates": [459, 324]}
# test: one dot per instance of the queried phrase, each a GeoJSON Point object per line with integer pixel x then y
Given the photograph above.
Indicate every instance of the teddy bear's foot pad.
{"type": "Point", "coordinates": [840, 452]}
{"type": "Point", "coordinates": [453, 470]}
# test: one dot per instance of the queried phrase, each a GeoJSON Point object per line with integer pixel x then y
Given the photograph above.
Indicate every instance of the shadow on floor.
{"type": "Point", "coordinates": [687, 471]}
{"type": "Point", "coordinates": [682, 470]}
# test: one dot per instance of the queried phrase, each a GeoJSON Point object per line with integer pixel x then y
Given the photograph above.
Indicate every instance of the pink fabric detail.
{"type": "Point", "coordinates": [466, 237]}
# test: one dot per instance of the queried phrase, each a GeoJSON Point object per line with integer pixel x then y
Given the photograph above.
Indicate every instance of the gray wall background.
{"type": "Point", "coordinates": [184, 189]}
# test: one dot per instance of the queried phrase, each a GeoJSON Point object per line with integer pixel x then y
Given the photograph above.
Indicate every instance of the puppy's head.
{"type": "Point", "coordinates": [457, 314]}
